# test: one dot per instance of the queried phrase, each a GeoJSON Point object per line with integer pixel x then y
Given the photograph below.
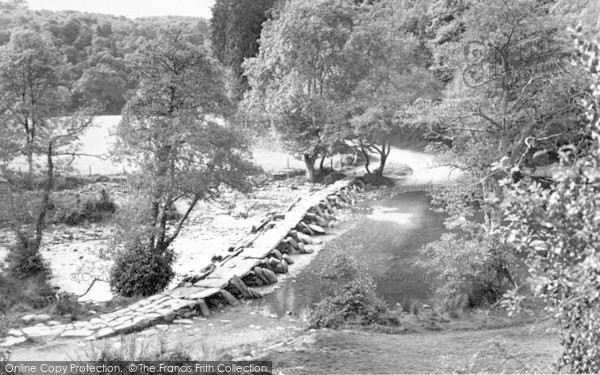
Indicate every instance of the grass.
{"type": "Point", "coordinates": [349, 352]}
{"type": "Point", "coordinates": [130, 348]}
{"type": "Point", "coordinates": [24, 295]}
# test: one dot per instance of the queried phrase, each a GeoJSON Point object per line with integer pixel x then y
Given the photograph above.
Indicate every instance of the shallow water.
{"type": "Point", "coordinates": [386, 239]}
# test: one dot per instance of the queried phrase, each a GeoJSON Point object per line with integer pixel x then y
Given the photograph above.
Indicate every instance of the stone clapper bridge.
{"type": "Point", "coordinates": [254, 262]}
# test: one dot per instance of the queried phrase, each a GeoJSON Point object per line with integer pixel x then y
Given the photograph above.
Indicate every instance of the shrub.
{"type": "Point", "coordinates": [332, 177]}
{"type": "Point", "coordinates": [556, 229]}
{"type": "Point", "coordinates": [26, 294]}
{"type": "Point", "coordinates": [353, 303]}
{"type": "Point", "coordinates": [68, 304]}
{"type": "Point", "coordinates": [24, 258]}
{"type": "Point", "coordinates": [350, 296]}
{"type": "Point", "coordinates": [373, 179]}
{"type": "Point", "coordinates": [72, 211]}
{"type": "Point", "coordinates": [139, 271]}
{"type": "Point", "coordinates": [466, 272]}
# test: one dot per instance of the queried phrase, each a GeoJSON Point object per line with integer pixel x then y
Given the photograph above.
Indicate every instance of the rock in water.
{"type": "Point", "coordinates": [270, 275]}
{"type": "Point", "coordinates": [317, 229]}
{"type": "Point", "coordinates": [288, 259]}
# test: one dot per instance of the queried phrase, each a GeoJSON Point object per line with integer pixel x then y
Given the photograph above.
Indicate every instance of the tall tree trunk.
{"type": "Point", "coordinates": [29, 180]}
{"type": "Point", "coordinates": [367, 159]}
{"type": "Point", "coordinates": [321, 165]}
{"type": "Point", "coordinates": [158, 206]}
{"type": "Point", "coordinates": [40, 221]}
{"type": "Point", "coordinates": [383, 155]}
{"type": "Point", "coordinates": [309, 162]}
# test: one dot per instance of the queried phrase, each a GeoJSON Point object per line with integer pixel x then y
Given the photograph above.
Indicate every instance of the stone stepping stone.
{"type": "Point", "coordinates": [12, 341]}
{"type": "Point", "coordinates": [43, 331]}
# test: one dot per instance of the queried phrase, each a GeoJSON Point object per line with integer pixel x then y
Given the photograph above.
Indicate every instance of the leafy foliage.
{"type": "Point", "coordinates": [235, 30]}
{"type": "Point", "coordinates": [556, 229]}
{"type": "Point", "coordinates": [393, 76]}
{"type": "Point", "coordinates": [24, 259]}
{"type": "Point", "coordinates": [95, 47]}
{"type": "Point", "coordinates": [169, 130]}
{"type": "Point", "coordinates": [467, 272]}
{"type": "Point", "coordinates": [350, 296]}
{"type": "Point", "coordinates": [138, 270]}
{"type": "Point", "coordinates": [72, 211]}
{"type": "Point", "coordinates": [302, 73]}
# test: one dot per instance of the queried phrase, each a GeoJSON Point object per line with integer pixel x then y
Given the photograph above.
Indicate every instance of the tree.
{"type": "Point", "coordinates": [24, 206]}
{"type": "Point", "coordinates": [170, 131]}
{"type": "Point", "coordinates": [393, 77]}
{"type": "Point", "coordinates": [29, 80]}
{"type": "Point", "coordinates": [508, 82]}
{"type": "Point", "coordinates": [235, 29]}
{"type": "Point", "coordinates": [302, 73]}
{"type": "Point", "coordinates": [555, 229]}
{"type": "Point", "coordinates": [101, 87]}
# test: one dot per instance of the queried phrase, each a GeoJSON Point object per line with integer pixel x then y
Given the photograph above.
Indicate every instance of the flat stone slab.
{"type": "Point", "coordinates": [11, 341]}
{"type": "Point", "coordinates": [43, 331]}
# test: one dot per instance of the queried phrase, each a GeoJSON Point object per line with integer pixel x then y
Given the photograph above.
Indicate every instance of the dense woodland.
{"type": "Point", "coordinates": [94, 48]}
{"type": "Point", "coordinates": [496, 89]}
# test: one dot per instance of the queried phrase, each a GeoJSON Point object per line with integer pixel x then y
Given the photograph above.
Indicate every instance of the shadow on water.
{"type": "Point", "coordinates": [386, 239]}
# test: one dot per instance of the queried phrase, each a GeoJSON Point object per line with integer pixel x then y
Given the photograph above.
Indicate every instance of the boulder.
{"type": "Point", "coordinates": [277, 254]}
{"type": "Point", "coordinates": [317, 229]}
{"type": "Point", "coordinates": [204, 310]}
{"type": "Point", "coordinates": [288, 259]}
{"type": "Point", "coordinates": [271, 276]}
{"type": "Point", "coordinates": [230, 298]}
{"type": "Point", "coordinates": [280, 268]}
{"type": "Point", "coordinates": [252, 279]}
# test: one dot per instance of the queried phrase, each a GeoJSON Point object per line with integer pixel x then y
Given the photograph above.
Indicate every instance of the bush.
{"type": "Point", "coordinates": [68, 304]}
{"type": "Point", "coordinates": [373, 179]}
{"type": "Point", "coordinates": [139, 271]}
{"type": "Point", "coordinates": [332, 177]}
{"type": "Point", "coordinates": [24, 258]}
{"type": "Point", "coordinates": [350, 297]}
{"type": "Point", "coordinates": [467, 273]}
{"type": "Point", "coordinates": [26, 294]}
{"type": "Point", "coordinates": [353, 303]}
{"type": "Point", "coordinates": [73, 212]}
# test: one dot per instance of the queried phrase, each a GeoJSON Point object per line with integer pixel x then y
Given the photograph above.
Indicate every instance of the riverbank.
{"type": "Point", "coordinates": [522, 349]}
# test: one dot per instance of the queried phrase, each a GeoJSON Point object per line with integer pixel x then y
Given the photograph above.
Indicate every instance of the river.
{"type": "Point", "coordinates": [385, 239]}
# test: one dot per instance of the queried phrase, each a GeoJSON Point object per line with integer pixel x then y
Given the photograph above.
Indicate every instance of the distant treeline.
{"type": "Point", "coordinates": [94, 48]}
